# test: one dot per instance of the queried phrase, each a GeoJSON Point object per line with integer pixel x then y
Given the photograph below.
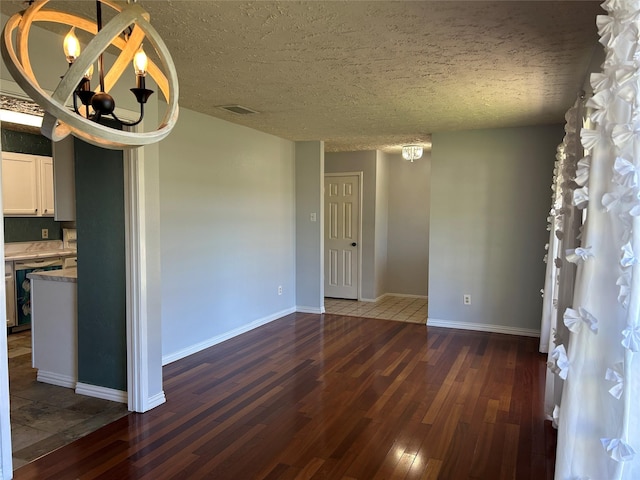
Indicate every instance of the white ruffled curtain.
{"type": "Point", "coordinates": [565, 220]}
{"type": "Point", "coordinates": [599, 412]}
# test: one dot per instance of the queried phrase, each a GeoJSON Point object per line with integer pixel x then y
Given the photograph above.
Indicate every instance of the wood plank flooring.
{"type": "Point", "coordinates": [333, 397]}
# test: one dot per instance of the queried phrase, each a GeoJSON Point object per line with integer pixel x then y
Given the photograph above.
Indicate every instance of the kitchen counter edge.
{"type": "Point", "coordinates": [64, 275]}
{"type": "Point", "coordinates": [11, 257]}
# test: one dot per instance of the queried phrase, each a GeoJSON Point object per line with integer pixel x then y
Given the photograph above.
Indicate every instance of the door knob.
{"type": "Point", "coordinates": [354, 244]}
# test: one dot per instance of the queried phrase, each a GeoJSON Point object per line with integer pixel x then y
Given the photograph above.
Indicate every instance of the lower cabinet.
{"type": "Point", "coordinates": [54, 330]}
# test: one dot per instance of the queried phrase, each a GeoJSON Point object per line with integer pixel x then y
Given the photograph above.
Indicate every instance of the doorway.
{"type": "Point", "coordinates": [342, 255]}
{"type": "Point", "coordinates": [144, 370]}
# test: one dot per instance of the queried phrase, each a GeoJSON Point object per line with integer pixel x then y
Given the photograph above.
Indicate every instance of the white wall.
{"type": "Point", "coordinates": [490, 198]}
{"type": "Point", "coordinates": [227, 226]}
{"type": "Point", "coordinates": [408, 228]}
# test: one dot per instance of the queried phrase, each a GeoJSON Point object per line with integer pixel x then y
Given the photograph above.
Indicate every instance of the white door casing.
{"type": "Point", "coordinates": [6, 460]}
{"type": "Point", "coordinates": [342, 235]}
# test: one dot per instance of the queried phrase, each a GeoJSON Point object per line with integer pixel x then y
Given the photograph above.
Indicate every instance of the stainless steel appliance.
{"type": "Point", "coordinates": [23, 286]}
{"type": "Point", "coordinates": [70, 242]}
{"type": "Point", "coordinates": [10, 293]}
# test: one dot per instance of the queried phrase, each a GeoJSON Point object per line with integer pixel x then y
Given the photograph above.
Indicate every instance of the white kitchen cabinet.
{"type": "Point", "coordinates": [46, 186]}
{"type": "Point", "coordinates": [20, 194]}
{"type": "Point", "coordinates": [27, 185]}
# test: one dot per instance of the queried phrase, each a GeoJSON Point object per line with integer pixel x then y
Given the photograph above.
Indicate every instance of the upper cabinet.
{"type": "Point", "coordinates": [27, 185]}
{"type": "Point", "coordinates": [46, 184]}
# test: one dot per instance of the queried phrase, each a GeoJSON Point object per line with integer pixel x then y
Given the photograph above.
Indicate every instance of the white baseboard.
{"type": "Point", "coordinates": [373, 299]}
{"type": "Point", "coordinates": [404, 295]}
{"type": "Point", "coordinates": [407, 295]}
{"type": "Point", "coordinates": [303, 309]}
{"type": "Point", "coordinates": [483, 327]}
{"type": "Point", "coordinates": [185, 352]}
{"type": "Point", "coordinates": [56, 379]}
{"type": "Point", "coordinates": [101, 392]}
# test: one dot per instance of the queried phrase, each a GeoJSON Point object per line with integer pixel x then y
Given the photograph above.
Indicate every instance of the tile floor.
{"type": "Point", "coordinates": [403, 309]}
{"type": "Point", "coordinates": [45, 417]}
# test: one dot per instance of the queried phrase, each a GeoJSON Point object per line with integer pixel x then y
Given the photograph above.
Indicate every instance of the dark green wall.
{"type": "Point", "coordinates": [100, 221]}
{"type": "Point", "coordinates": [28, 229]}
{"type": "Point", "coordinates": [23, 142]}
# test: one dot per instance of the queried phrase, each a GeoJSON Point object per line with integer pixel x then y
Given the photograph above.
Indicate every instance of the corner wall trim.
{"type": "Point", "coordinates": [483, 327]}
{"type": "Point", "coordinates": [303, 309]}
{"type": "Point", "coordinates": [373, 299]}
{"type": "Point", "coordinates": [56, 379]}
{"type": "Point", "coordinates": [185, 352]}
{"type": "Point", "coordinates": [406, 295]}
{"type": "Point", "coordinates": [156, 400]}
{"type": "Point", "coordinates": [101, 392]}
{"type": "Point", "coordinates": [402, 295]}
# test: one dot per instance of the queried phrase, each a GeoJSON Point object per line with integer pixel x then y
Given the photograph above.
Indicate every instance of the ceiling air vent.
{"type": "Point", "coordinates": [237, 109]}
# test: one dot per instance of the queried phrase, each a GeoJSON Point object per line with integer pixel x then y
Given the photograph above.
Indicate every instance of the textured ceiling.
{"type": "Point", "coordinates": [364, 75]}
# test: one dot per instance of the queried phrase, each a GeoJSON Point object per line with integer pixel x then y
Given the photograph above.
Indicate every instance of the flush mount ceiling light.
{"type": "Point", "coordinates": [411, 152]}
{"type": "Point", "coordinates": [126, 31]}
{"type": "Point", "coordinates": [20, 118]}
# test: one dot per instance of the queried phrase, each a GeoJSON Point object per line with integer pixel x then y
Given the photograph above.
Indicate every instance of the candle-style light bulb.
{"type": "Point", "coordinates": [85, 84]}
{"type": "Point", "coordinates": [140, 62]}
{"type": "Point", "coordinates": [71, 46]}
{"type": "Point", "coordinates": [89, 73]}
{"type": "Point", "coordinates": [141, 92]}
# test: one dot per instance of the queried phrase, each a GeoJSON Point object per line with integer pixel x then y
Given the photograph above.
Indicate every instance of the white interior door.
{"type": "Point", "coordinates": [342, 225]}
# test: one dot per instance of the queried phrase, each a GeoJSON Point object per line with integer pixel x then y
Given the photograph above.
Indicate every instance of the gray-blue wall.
{"type": "Point", "coordinates": [490, 197]}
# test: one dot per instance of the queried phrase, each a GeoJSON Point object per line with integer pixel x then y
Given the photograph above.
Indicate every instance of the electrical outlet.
{"type": "Point", "coordinates": [312, 216]}
{"type": "Point", "coordinates": [279, 289]}
{"type": "Point", "coordinates": [45, 233]}
{"type": "Point", "coordinates": [466, 299]}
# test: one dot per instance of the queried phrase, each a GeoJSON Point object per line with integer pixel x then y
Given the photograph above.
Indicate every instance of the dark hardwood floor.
{"type": "Point", "coordinates": [333, 397]}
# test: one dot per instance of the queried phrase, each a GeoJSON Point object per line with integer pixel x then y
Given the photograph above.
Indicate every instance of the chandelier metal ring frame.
{"type": "Point", "coordinates": [59, 121]}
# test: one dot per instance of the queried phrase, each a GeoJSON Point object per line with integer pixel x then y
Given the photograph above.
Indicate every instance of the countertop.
{"type": "Point", "coordinates": [36, 250]}
{"type": "Point", "coordinates": [39, 255]}
{"type": "Point", "coordinates": [64, 275]}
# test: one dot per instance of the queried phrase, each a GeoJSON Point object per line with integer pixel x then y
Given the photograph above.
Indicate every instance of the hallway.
{"type": "Point", "coordinates": [402, 309]}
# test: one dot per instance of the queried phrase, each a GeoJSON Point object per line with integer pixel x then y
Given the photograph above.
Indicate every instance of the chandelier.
{"type": "Point", "coordinates": [411, 152]}
{"type": "Point", "coordinates": [126, 32]}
